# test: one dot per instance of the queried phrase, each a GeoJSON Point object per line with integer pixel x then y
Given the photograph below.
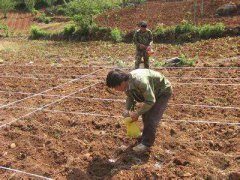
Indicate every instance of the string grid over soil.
{"type": "Point", "coordinates": [80, 136]}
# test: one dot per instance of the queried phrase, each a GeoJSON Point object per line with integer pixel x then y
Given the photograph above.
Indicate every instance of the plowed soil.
{"type": "Point", "coordinates": [18, 21]}
{"type": "Point", "coordinates": [84, 138]}
{"type": "Point", "coordinates": [167, 13]}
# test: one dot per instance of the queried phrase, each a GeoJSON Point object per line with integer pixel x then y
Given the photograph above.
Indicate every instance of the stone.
{"type": "Point", "coordinates": [227, 9]}
{"type": "Point", "coordinates": [13, 145]}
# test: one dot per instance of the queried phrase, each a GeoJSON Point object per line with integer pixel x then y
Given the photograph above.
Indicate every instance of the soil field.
{"type": "Point", "coordinates": [213, 52]}
{"type": "Point", "coordinates": [67, 125]}
{"type": "Point", "coordinates": [167, 13]}
{"type": "Point", "coordinates": [18, 22]}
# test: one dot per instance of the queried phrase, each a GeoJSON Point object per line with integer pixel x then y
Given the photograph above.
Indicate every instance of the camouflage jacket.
{"type": "Point", "coordinates": [145, 86]}
{"type": "Point", "coordinates": [144, 38]}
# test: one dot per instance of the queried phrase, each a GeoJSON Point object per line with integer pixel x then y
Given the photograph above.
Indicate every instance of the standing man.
{"type": "Point", "coordinates": [148, 87]}
{"type": "Point", "coordinates": [143, 39]}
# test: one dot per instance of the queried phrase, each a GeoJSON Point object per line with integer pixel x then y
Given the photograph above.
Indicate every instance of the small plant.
{"type": "Point", "coordinates": [7, 5]}
{"type": "Point", "coordinates": [37, 33]}
{"type": "Point", "coordinates": [185, 61]}
{"type": "Point", "coordinates": [121, 63]}
{"type": "Point", "coordinates": [45, 19]}
{"type": "Point", "coordinates": [158, 64]}
{"type": "Point", "coordinates": [208, 31]}
{"type": "Point", "coordinates": [50, 2]}
{"type": "Point", "coordinates": [57, 133]}
{"type": "Point", "coordinates": [30, 4]}
{"type": "Point", "coordinates": [185, 27]}
{"type": "Point", "coordinates": [5, 29]}
{"type": "Point", "coordinates": [69, 30]}
{"type": "Point", "coordinates": [159, 31]}
{"type": "Point", "coordinates": [35, 12]}
{"type": "Point", "coordinates": [116, 35]}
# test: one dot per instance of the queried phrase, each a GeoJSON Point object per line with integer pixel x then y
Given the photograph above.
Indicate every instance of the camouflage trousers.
{"type": "Point", "coordinates": [138, 59]}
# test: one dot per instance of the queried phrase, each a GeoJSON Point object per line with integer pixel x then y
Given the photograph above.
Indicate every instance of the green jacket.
{"type": "Point", "coordinates": [144, 38]}
{"type": "Point", "coordinates": [145, 85]}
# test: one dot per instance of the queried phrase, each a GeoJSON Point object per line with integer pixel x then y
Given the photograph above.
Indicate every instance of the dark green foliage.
{"type": "Point", "coordinates": [44, 18]}
{"type": "Point", "coordinates": [208, 31]}
{"type": "Point", "coordinates": [69, 30]}
{"type": "Point", "coordinates": [37, 33]}
{"type": "Point", "coordinates": [187, 32]}
{"type": "Point", "coordinates": [116, 35]}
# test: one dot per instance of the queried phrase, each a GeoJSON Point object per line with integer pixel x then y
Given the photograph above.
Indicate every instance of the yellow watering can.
{"type": "Point", "coordinates": [133, 129]}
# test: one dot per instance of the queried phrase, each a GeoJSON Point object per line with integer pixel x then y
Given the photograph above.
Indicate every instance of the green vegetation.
{"type": "Point", "coordinates": [4, 28]}
{"type": "Point", "coordinates": [30, 4]}
{"type": "Point", "coordinates": [184, 61]}
{"type": "Point", "coordinates": [187, 32]}
{"type": "Point", "coordinates": [116, 35]}
{"type": "Point", "coordinates": [7, 5]}
{"type": "Point", "coordinates": [69, 30]}
{"type": "Point", "coordinates": [44, 18]}
{"type": "Point", "coordinates": [37, 33]}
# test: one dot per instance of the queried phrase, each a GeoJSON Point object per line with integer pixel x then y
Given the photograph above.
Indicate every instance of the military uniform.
{"type": "Point", "coordinates": [144, 38]}
{"type": "Point", "coordinates": [154, 90]}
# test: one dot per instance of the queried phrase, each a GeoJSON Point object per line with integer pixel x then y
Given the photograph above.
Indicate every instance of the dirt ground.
{"type": "Point", "coordinates": [81, 137]}
{"type": "Point", "coordinates": [167, 13]}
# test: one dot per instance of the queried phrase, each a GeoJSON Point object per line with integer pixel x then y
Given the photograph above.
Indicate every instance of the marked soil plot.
{"type": "Point", "coordinates": [80, 134]}
{"type": "Point", "coordinates": [95, 140]}
{"type": "Point", "coordinates": [89, 106]}
{"type": "Point", "coordinates": [188, 94]}
{"type": "Point", "coordinates": [28, 85]}
{"type": "Point", "coordinates": [46, 71]}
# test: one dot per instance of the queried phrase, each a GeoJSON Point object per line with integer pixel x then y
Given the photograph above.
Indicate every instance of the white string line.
{"type": "Point", "coordinates": [110, 116]}
{"type": "Point", "coordinates": [36, 78]}
{"type": "Point", "coordinates": [110, 67]}
{"type": "Point", "coordinates": [23, 172]}
{"type": "Point", "coordinates": [46, 105]}
{"type": "Point", "coordinates": [122, 100]}
{"type": "Point", "coordinates": [31, 76]}
{"type": "Point", "coordinates": [206, 84]}
{"type": "Point", "coordinates": [193, 83]}
{"type": "Point", "coordinates": [37, 94]}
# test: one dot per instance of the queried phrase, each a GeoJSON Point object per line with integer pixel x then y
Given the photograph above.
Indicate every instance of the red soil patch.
{"type": "Point", "coordinates": [72, 146]}
{"type": "Point", "coordinates": [167, 13]}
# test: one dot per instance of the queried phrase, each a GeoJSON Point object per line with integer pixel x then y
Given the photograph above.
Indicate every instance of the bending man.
{"type": "Point", "coordinates": [148, 87]}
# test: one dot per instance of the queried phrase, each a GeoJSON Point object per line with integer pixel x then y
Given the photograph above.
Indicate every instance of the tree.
{"type": "Point", "coordinates": [6, 5]}
{"type": "Point", "coordinates": [51, 2]}
{"type": "Point", "coordinates": [30, 4]}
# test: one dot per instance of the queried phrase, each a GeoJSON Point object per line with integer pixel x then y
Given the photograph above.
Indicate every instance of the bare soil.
{"type": "Point", "coordinates": [61, 143]}
{"type": "Point", "coordinates": [167, 13]}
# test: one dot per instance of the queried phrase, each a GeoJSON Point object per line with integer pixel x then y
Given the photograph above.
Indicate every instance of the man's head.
{"type": "Point", "coordinates": [117, 79]}
{"type": "Point", "coordinates": [143, 25]}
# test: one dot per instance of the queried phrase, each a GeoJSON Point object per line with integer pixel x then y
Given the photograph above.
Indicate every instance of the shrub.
{"type": "Point", "coordinates": [35, 12]}
{"type": "Point", "coordinates": [6, 6]}
{"type": "Point", "coordinates": [159, 32]}
{"type": "Point", "coordinates": [44, 18]}
{"type": "Point", "coordinates": [184, 27]}
{"type": "Point", "coordinates": [4, 28]}
{"type": "Point", "coordinates": [116, 35]}
{"type": "Point", "coordinates": [208, 31]}
{"type": "Point", "coordinates": [61, 10]}
{"type": "Point", "coordinates": [30, 4]}
{"type": "Point", "coordinates": [185, 61]}
{"type": "Point", "coordinates": [69, 30]}
{"type": "Point", "coordinates": [50, 2]}
{"type": "Point", "coordinates": [37, 33]}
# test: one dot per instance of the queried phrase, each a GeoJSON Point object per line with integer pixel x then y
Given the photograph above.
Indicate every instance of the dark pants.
{"type": "Point", "coordinates": [152, 118]}
{"type": "Point", "coordinates": [138, 59]}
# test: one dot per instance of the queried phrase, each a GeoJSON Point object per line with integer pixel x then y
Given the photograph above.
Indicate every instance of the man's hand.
{"type": "Point", "coordinates": [134, 116]}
